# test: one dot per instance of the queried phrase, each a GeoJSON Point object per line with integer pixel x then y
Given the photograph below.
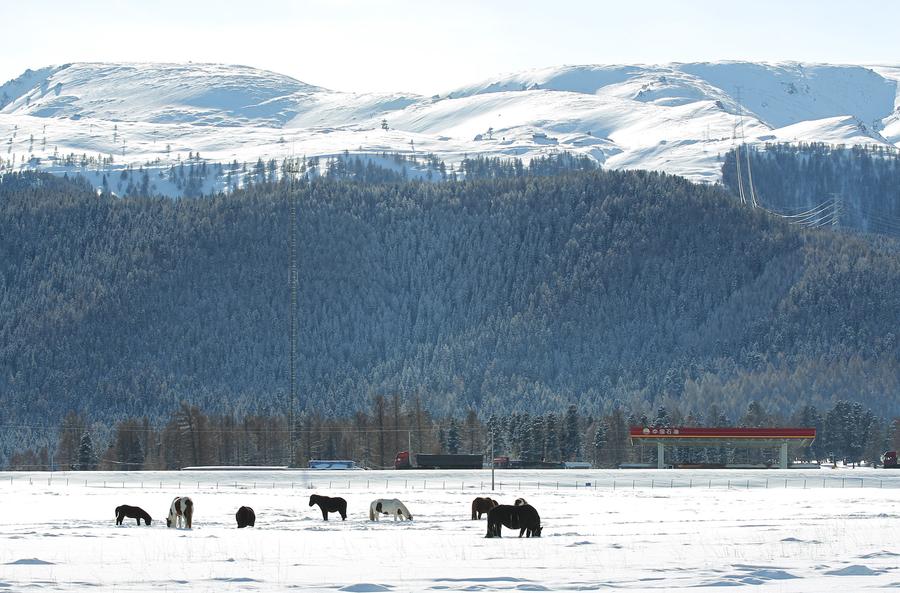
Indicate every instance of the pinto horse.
{"type": "Point", "coordinates": [522, 517]}
{"type": "Point", "coordinates": [132, 513]}
{"type": "Point", "coordinates": [327, 504]}
{"type": "Point", "coordinates": [182, 510]}
{"type": "Point", "coordinates": [388, 506]}
{"type": "Point", "coordinates": [480, 506]}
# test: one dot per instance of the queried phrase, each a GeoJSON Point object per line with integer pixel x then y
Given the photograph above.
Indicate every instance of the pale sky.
{"type": "Point", "coordinates": [431, 46]}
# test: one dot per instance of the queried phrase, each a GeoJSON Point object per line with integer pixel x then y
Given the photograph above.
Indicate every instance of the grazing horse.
{"type": "Point", "coordinates": [522, 517]}
{"type": "Point", "coordinates": [245, 517]}
{"type": "Point", "coordinates": [481, 506]}
{"type": "Point", "coordinates": [182, 510]}
{"type": "Point", "coordinates": [328, 504]}
{"type": "Point", "coordinates": [132, 513]}
{"type": "Point", "coordinates": [520, 502]}
{"type": "Point", "coordinates": [388, 506]}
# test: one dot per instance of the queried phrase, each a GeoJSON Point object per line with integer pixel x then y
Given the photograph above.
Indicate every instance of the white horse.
{"type": "Point", "coordinates": [388, 506]}
{"type": "Point", "coordinates": [181, 513]}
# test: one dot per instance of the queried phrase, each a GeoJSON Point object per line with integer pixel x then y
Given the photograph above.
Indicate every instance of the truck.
{"type": "Point", "coordinates": [889, 459]}
{"type": "Point", "coordinates": [447, 461]}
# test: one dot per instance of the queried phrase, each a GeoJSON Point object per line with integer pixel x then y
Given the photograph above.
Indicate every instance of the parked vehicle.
{"type": "Point", "coordinates": [428, 461]}
{"type": "Point", "coordinates": [889, 459]}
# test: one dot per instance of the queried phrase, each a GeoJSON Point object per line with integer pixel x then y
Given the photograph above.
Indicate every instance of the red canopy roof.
{"type": "Point", "coordinates": [728, 432]}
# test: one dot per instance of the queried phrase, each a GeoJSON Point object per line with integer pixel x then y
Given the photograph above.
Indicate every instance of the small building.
{"type": "Point", "coordinates": [758, 438]}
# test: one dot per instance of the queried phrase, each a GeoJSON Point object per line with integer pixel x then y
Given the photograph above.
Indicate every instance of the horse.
{"type": "Point", "coordinates": [520, 502]}
{"type": "Point", "coordinates": [388, 506]}
{"type": "Point", "coordinates": [327, 504]}
{"type": "Point", "coordinates": [522, 517]}
{"type": "Point", "coordinates": [245, 517]}
{"type": "Point", "coordinates": [181, 510]}
{"type": "Point", "coordinates": [481, 506]}
{"type": "Point", "coordinates": [132, 513]}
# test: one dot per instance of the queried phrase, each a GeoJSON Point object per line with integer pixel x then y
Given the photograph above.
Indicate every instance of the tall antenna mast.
{"type": "Point", "coordinates": [292, 265]}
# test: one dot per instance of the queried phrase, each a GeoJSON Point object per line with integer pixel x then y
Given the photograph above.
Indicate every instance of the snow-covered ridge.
{"type": "Point", "coordinates": [675, 117]}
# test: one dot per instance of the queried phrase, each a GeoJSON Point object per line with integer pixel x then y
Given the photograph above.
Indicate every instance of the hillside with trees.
{"type": "Point", "coordinates": [618, 293]}
{"type": "Point", "coordinates": [855, 188]}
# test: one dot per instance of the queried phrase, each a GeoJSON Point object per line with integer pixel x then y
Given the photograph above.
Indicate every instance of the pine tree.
{"type": "Point", "coordinates": [599, 442]}
{"type": "Point", "coordinates": [572, 440]}
{"type": "Point", "coordinates": [87, 459]}
{"type": "Point", "coordinates": [453, 439]}
{"type": "Point", "coordinates": [551, 444]}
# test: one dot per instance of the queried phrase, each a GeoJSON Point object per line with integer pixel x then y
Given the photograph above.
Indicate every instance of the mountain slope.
{"type": "Point", "coordinates": [525, 293]}
{"type": "Point", "coordinates": [677, 118]}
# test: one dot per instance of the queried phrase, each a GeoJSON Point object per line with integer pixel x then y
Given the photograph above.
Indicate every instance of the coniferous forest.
{"type": "Point", "coordinates": [444, 312]}
{"type": "Point", "coordinates": [853, 188]}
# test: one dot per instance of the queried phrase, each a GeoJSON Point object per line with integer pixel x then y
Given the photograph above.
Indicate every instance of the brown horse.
{"type": "Point", "coordinates": [245, 517]}
{"type": "Point", "coordinates": [480, 506]}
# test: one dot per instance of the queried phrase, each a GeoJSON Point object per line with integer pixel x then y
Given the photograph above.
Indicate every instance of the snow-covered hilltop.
{"type": "Point", "coordinates": [678, 117]}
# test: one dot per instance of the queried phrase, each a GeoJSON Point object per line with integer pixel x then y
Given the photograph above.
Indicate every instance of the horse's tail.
{"type": "Point", "coordinates": [474, 510]}
{"type": "Point", "coordinates": [372, 511]}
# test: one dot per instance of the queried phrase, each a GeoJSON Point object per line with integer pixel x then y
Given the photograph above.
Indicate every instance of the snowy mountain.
{"type": "Point", "coordinates": [678, 118]}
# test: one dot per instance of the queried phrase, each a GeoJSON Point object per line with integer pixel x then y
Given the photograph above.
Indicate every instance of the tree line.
{"type": "Point", "coordinates": [847, 432]}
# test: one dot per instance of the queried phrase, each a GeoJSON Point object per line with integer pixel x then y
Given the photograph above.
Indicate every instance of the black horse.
{"type": "Point", "coordinates": [245, 517]}
{"type": "Point", "coordinates": [522, 517]}
{"type": "Point", "coordinates": [329, 505]}
{"type": "Point", "coordinates": [132, 513]}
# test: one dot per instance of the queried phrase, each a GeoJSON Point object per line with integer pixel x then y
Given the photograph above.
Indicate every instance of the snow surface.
{"type": "Point", "coordinates": [795, 530]}
{"type": "Point", "coordinates": [679, 118]}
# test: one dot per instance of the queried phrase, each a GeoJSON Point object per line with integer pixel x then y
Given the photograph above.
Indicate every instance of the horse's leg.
{"type": "Point", "coordinates": [324, 514]}
{"type": "Point", "coordinates": [138, 519]}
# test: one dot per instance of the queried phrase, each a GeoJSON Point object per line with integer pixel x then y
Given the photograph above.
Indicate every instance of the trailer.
{"type": "Point", "coordinates": [447, 461]}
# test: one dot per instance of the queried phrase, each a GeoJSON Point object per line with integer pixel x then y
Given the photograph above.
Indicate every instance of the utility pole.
{"type": "Point", "coordinates": [492, 461]}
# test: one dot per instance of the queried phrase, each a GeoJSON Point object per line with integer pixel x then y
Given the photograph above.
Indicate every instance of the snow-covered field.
{"type": "Point", "coordinates": [809, 530]}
